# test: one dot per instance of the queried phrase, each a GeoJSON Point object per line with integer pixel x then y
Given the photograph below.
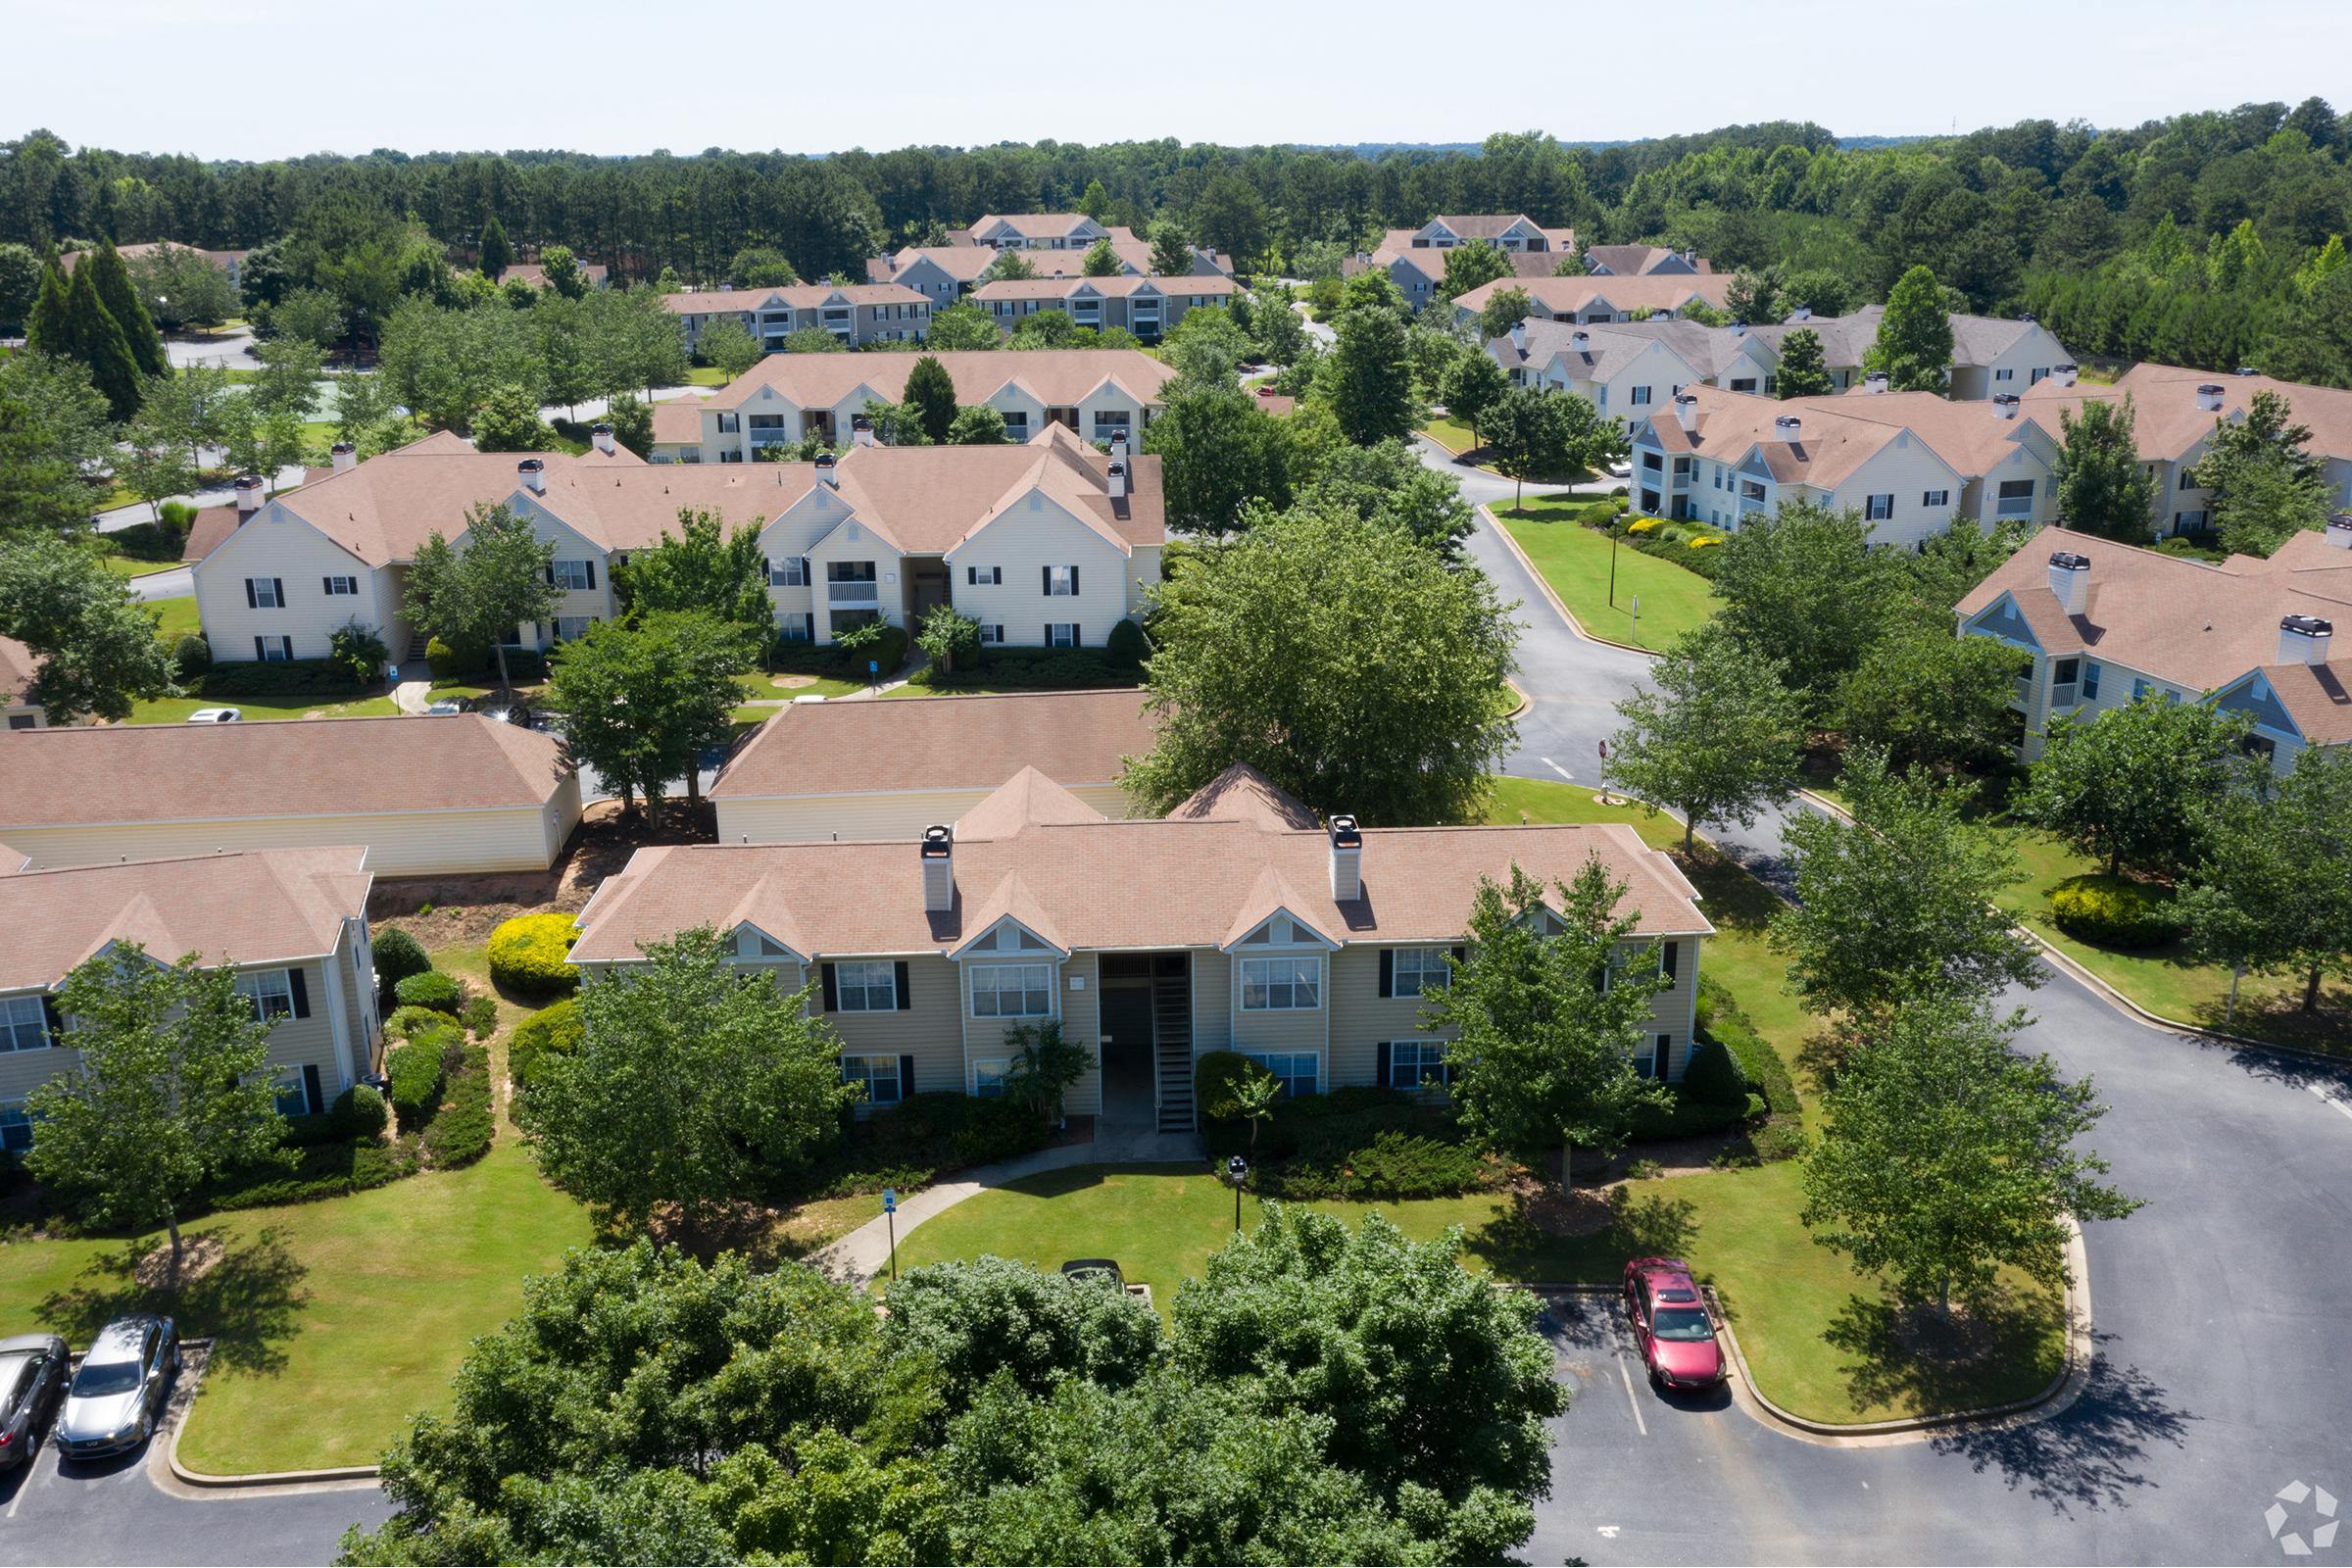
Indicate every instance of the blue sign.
{"type": "Point", "coordinates": [873, 666]}
{"type": "Point", "coordinates": [890, 1200]}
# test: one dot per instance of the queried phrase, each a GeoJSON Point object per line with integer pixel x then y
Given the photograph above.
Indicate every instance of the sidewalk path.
{"type": "Point", "coordinates": [865, 1252]}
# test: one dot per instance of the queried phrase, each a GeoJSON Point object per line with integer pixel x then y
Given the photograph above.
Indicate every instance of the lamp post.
{"type": "Point", "coordinates": [1237, 1171]}
{"type": "Point", "coordinates": [1616, 531]}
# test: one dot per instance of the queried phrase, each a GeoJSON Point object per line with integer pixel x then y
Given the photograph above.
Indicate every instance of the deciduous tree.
{"type": "Point", "coordinates": [1504, 309]}
{"type": "Point", "coordinates": [1473, 384]}
{"type": "Point", "coordinates": [1220, 452]}
{"type": "Point", "coordinates": [1100, 261]}
{"type": "Point", "coordinates": [961, 328]}
{"type": "Point", "coordinates": [725, 344]}
{"type": "Point", "coordinates": [1368, 378]}
{"type": "Point", "coordinates": [1914, 345]}
{"type": "Point", "coordinates": [53, 440]}
{"type": "Point", "coordinates": [1930, 698]}
{"type": "Point", "coordinates": [1802, 585]}
{"type": "Point", "coordinates": [2103, 486]}
{"type": "Point", "coordinates": [94, 645]}
{"type": "Point", "coordinates": [705, 566]}
{"type": "Point", "coordinates": [1469, 265]}
{"type": "Point", "coordinates": [2133, 787]}
{"type": "Point", "coordinates": [1172, 251]}
{"type": "Point", "coordinates": [977, 424]}
{"type": "Point", "coordinates": [2272, 890]}
{"type": "Point", "coordinates": [480, 596]}
{"type": "Point", "coordinates": [643, 699]}
{"type": "Point", "coordinates": [1716, 737]}
{"type": "Point", "coordinates": [2263, 483]}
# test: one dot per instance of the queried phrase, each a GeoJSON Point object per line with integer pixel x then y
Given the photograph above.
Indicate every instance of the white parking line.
{"type": "Point", "coordinates": [2328, 1099]}
{"type": "Point", "coordinates": [1557, 768]}
{"type": "Point", "coordinates": [1627, 1378]}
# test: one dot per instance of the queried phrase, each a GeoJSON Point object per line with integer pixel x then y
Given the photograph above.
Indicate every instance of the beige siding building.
{"type": "Point", "coordinates": [1238, 921]}
{"type": "Point", "coordinates": [1147, 306]}
{"type": "Point", "coordinates": [856, 314]}
{"type": "Point", "coordinates": [292, 923]}
{"type": "Point", "coordinates": [1414, 258]}
{"type": "Point", "coordinates": [1585, 300]}
{"type": "Point", "coordinates": [426, 797]}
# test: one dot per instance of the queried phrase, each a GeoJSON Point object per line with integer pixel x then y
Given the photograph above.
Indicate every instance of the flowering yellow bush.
{"type": "Point", "coordinates": [1641, 525]}
{"type": "Point", "coordinates": [1705, 540]}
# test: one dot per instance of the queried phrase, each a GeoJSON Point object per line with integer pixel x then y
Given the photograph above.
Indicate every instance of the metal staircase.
{"type": "Point", "coordinates": [1172, 1040]}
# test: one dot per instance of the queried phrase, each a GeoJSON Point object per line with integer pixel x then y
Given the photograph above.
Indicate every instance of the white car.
{"type": "Point", "coordinates": [216, 716]}
{"type": "Point", "coordinates": [446, 707]}
{"type": "Point", "coordinates": [1621, 470]}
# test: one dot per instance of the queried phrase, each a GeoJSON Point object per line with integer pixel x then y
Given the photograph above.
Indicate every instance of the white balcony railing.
{"type": "Point", "coordinates": [853, 593]}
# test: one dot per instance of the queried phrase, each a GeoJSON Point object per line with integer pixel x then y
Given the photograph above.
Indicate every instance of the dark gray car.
{"type": "Point", "coordinates": [32, 1379]}
{"type": "Point", "coordinates": [117, 1396]}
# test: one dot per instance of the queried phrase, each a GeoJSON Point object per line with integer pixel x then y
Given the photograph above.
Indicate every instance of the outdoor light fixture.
{"type": "Point", "coordinates": [1237, 1171]}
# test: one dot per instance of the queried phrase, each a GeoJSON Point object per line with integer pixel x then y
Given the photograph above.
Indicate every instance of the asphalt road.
{"type": "Point", "coordinates": [2221, 1336]}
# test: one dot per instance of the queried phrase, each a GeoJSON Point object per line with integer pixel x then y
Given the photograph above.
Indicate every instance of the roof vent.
{"type": "Point", "coordinates": [1788, 429]}
{"type": "Point", "coordinates": [2069, 580]}
{"type": "Point", "coordinates": [2304, 639]}
{"type": "Point", "coordinates": [1346, 859]}
{"type": "Point", "coordinates": [2208, 396]}
{"type": "Point", "coordinates": [938, 852]}
{"type": "Point", "coordinates": [533, 474]}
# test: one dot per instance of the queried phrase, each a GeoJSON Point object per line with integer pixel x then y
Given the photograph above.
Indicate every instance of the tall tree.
{"type": "Point", "coordinates": [1341, 659]}
{"type": "Point", "coordinates": [496, 255]}
{"type": "Point", "coordinates": [53, 441]}
{"type": "Point", "coordinates": [181, 287]}
{"type": "Point", "coordinates": [46, 327]}
{"type": "Point", "coordinates": [761, 266]}
{"type": "Point", "coordinates": [1914, 345]}
{"type": "Point", "coordinates": [1390, 485]}
{"type": "Point", "coordinates": [1469, 265]}
{"type": "Point", "coordinates": [643, 699]}
{"type": "Point", "coordinates": [1537, 434]}
{"type": "Point", "coordinates": [563, 271]}
{"type": "Point", "coordinates": [1232, 217]}
{"type": "Point", "coordinates": [156, 463]}
{"type": "Point", "coordinates": [725, 343]}
{"type": "Point", "coordinates": [89, 333]}
{"type": "Point", "coordinates": [95, 644]}
{"type": "Point", "coordinates": [961, 327]}
{"type": "Point", "coordinates": [2272, 890]}
{"type": "Point", "coordinates": [2103, 486]}
{"type": "Point", "coordinates": [19, 284]}
{"type": "Point", "coordinates": [1473, 384]}
{"type": "Point", "coordinates": [977, 424]}
{"type": "Point", "coordinates": [930, 396]}
{"type": "Point", "coordinates": [689, 1089]}
{"type": "Point", "coordinates": [2133, 787]}
{"type": "Point", "coordinates": [2263, 483]}
{"type": "Point", "coordinates": [1896, 903]}
{"type": "Point", "coordinates": [482, 595]}
{"type": "Point", "coordinates": [1929, 696]}
{"type": "Point", "coordinates": [1547, 1028]}
{"type": "Point", "coordinates": [1716, 737]}
{"type": "Point", "coordinates": [1804, 371]}
{"type": "Point", "coordinates": [703, 568]}
{"type": "Point", "coordinates": [1504, 309]}
{"type": "Point", "coordinates": [1172, 251]}
{"type": "Point", "coordinates": [1009, 267]}
{"type": "Point", "coordinates": [1100, 261]}
{"type": "Point", "coordinates": [1945, 1156]}
{"type": "Point", "coordinates": [1220, 452]}
{"type": "Point", "coordinates": [1368, 378]}
{"type": "Point", "coordinates": [173, 1090]}
{"type": "Point", "coordinates": [121, 298]}
{"type": "Point", "coordinates": [1803, 586]}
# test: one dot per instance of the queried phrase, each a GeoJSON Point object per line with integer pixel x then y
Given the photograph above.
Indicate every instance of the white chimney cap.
{"type": "Point", "coordinates": [340, 448]}
{"type": "Point", "coordinates": [2068, 561]}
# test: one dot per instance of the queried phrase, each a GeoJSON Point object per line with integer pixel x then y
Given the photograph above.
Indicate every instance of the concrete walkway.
{"type": "Point", "coordinates": [413, 696]}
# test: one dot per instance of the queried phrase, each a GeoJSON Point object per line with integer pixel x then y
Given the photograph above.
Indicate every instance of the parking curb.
{"type": "Point", "coordinates": [1569, 616]}
{"type": "Point", "coordinates": [192, 1367]}
{"type": "Point", "coordinates": [1525, 702]}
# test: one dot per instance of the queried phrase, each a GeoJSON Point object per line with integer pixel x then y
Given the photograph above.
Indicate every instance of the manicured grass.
{"type": "Point", "coordinates": [761, 686]}
{"type": "Point", "coordinates": [1574, 561]}
{"type": "Point", "coordinates": [175, 618]}
{"type": "Point", "coordinates": [175, 709]}
{"type": "Point", "coordinates": [704, 375]}
{"type": "Point", "coordinates": [1451, 433]}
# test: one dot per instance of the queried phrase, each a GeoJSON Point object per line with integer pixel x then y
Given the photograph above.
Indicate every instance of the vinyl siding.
{"type": "Point", "coordinates": [930, 1031]}
{"type": "Point", "coordinates": [869, 818]}
{"type": "Point", "coordinates": [853, 541]}
{"type": "Point", "coordinates": [1033, 534]}
{"type": "Point", "coordinates": [1296, 1029]}
{"type": "Point", "coordinates": [1907, 469]}
{"type": "Point", "coordinates": [1212, 1000]}
{"type": "Point", "coordinates": [1362, 1018]}
{"type": "Point", "coordinates": [277, 543]}
{"type": "Point", "coordinates": [1082, 1024]}
{"type": "Point", "coordinates": [421, 844]}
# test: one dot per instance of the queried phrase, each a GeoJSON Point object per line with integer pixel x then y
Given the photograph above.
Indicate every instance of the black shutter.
{"type": "Point", "coordinates": [832, 991]}
{"type": "Point", "coordinates": [899, 973]}
{"type": "Point", "coordinates": [807, 576]}
{"type": "Point", "coordinates": [550, 573]}
{"type": "Point", "coordinates": [312, 1094]}
{"type": "Point", "coordinates": [300, 984]}
{"type": "Point", "coordinates": [1461, 955]}
{"type": "Point", "coordinates": [53, 1018]}
{"type": "Point", "coordinates": [1074, 582]}
{"type": "Point", "coordinates": [1669, 960]}
{"type": "Point", "coordinates": [905, 1072]}
{"type": "Point", "coordinates": [1388, 976]}
{"type": "Point", "coordinates": [329, 584]}
{"type": "Point", "coordinates": [253, 600]}
{"type": "Point", "coordinates": [1380, 1058]}
{"type": "Point", "coordinates": [1665, 1050]}
{"type": "Point", "coordinates": [972, 576]}
{"type": "Point", "coordinates": [1044, 575]}
{"type": "Point", "coordinates": [260, 648]}
{"type": "Point", "coordinates": [277, 591]}
{"type": "Point", "coordinates": [591, 565]}
{"type": "Point", "coordinates": [767, 573]}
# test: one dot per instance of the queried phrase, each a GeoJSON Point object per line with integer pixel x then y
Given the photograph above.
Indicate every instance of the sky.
{"type": "Point", "coordinates": [268, 78]}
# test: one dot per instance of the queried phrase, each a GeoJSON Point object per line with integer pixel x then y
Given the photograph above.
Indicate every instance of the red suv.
{"type": "Point", "coordinates": [1671, 1324]}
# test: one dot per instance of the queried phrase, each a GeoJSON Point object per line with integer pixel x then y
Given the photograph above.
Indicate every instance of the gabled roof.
{"type": "Point", "coordinates": [678, 421]}
{"type": "Point", "coordinates": [1537, 341]}
{"type": "Point", "coordinates": [211, 524]}
{"type": "Point", "coordinates": [1136, 884]}
{"type": "Point", "coordinates": [2168, 422]}
{"type": "Point", "coordinates": [799, 296]}
{"type": "Point", "coordinates": [928, 499]}
{"type": "Point", "coordinates": [1838, 434]}
{"type": "Point", "coordinates": [1010, 900]}
{"type": "Point", "coordinates": [288, 768]}
{"type": "Point", "coordinates": [966, 263]}
{"type": "Point", "coordinates": [1563, 296]}
{"type": "Point", "coordinates": [248, 908]}
{"type": "Point", "coordinates": [938, 743]}
{"type": "Point", "coordinates": [1058, 377]}
{"type": "Point", "coordinates": [1637, 260]}
{"type": "Point", "coordinates": [1243, 794]}
{"type": "Point", "coordinates": [18, 666]}
{"type": "Point", "coordinates": [1023, 800]}
{"type": "Point", "coordinates": [1120, 287]}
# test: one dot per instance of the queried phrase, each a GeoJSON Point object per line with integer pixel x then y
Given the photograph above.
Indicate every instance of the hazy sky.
{"type": "Point", "coordinates": [265, 78]}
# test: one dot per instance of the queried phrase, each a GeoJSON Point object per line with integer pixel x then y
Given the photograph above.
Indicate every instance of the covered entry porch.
{"type": "Point", "coordinates": [1147, 1041]}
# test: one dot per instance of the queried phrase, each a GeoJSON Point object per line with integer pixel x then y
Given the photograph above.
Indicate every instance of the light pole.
{"type": "Point", "coordinates": [1237, 1171]}
{"type": "Point", "coordinates": [1616, 528]}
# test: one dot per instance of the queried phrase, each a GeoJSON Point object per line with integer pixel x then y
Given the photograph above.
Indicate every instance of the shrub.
{"type": "Point", "coordinates": [287, 677]}
{"type": "Point", "coordinates": [1393, 1164]}
{"type": "Point", "coordinates": [358, 1113]}
{"type": "Point", "coordinates": [1214, 1075]}
{"type": "Point", "coordinates": [481, 1017]}
{"type": "Point", "coordinates": [1127, 644]}
{"type": "Point", "coordinates": [446, 664]}
{"type": "Point", "coordinates": [1712, 1076]}
{"type": "Point", "coordinates": [191, 656]}
{"type": "Point", "coordinates": [397, 955]}
{"type": "Point", "coordinates": [1034, 669]}
{"type": "Point", "coordinates": [997, 1129]}
{"type": "Point", "coordinates": [461, 1131]}
{"type": "Point", "coordinates": [359, 651]}
{"type": "Point", "coordinates": [443, 993]}
{"type": "Point", "coordinates": [1682, 1116]}
{"type": "Point", "coordinates": [553, 1031]}
{"type": "Point", "coordinates": [529, 954]}
{"type": "Point", "coordinates": [149, 541]}
{"type": "Point", "coordinates": [414, 1071]}
{"type": "Point", "coordinates": [2114, 911]}
{"type": "Point", "coordinates": [334, 1169]}
{"type": "Point", "coordinates": [1721, 1020]}
{"type": "Point", "coordinates": [909, 1144]}
{"type": "Point", "coordinates": [407, 1023]}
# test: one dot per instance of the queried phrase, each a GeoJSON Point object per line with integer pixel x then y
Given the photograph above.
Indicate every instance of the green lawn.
{"type": "Point", "coordinates": [175, 709]}
{"type": "Point", "coordinates": [1451, 433]}
{"type": "Point", "coordinates": [706, 375]}
{"type": "Point", "coordinates": [175, 618]}
{"type": "Point", "coordinates": [1574, 561]}
{"type": "Point", "coordinates": [759, 686]}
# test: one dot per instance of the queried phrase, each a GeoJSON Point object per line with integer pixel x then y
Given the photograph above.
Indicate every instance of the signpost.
{"type": "Point", "coordinates": [890, 1218]}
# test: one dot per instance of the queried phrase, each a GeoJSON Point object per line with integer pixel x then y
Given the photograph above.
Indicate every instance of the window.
{"type": "Point", "coordinates": [1877, 509]}
{"type": "Point", "coordinates": [271, 995]}
{"type": "Point", "coordinates": [1641, 397]}
{"type": "Point", "coordinates": [1414, 1062]}
{"type": "Point", "coordinates": [992, 632]}
{"type": "Point", "coordinates": [984, 576]}
{"type": "Point", "coordinates": [849, 571]}
{"type": "Point", "coordinates": [577, 576]}
{"type": "Point", "coordinates": [340, 587]}
{"type": "Point", "coordinates": [988, 1077]}
{"type": "Point", "coordinates": [1061, 634]}
{"type": "Point", "coordinates": [1934, 498]}
{"type": "Point", "coordinates": [293, 1094]}
{"type": "Point", "coordinates": [1281, 985]}
{"type": "Point", "coordinates": [1296, 1068]}
{"type": "Point", "coordinates": [1744, 383]}
{"type": "Point", "coordinates": [15, 1128]}
{"type": "Point", "coordinates": [2065, 671]}
{"type": "Point", "coordinates": [2015, 500]}
{"type": "Point", "coordinates": [2039, 373]}
{"type": "Point", "coordinates": [1061, 582]}
{"type": "Point", "coordinates": [23, 1024]}
{"type": "Point", "coordinates": [728, 423]}
{"type": "Point", "coordinates": [568, 627]}
{"type": "Point", "coordinates": [879, 1075]}
{"type": "Point", "coordinates": [265, 593]}
{"type": "Point", "coordinates": [22, 721]}
{"type": "Point", "coordinates": [867, 987]}
{"type": "Point", "coordinates": [790, 572]}
{"type": "Point", "coordinates": [801, 628]}
{"type": "Point", "coordinates": [1012, 990]}
{"type": "Point", "coordinates": [1653, 462]}
{"type": "Point", "coordinates": [1651, 1063]}
{"type": "Point", "coordinates": [2004, 375]}
{"type": "Point", "coordinates": [1418, 971]}
{"type": "Point", "coordinates": [2090, 683]}
{"type": "Point", "coordinates": [273, 650]}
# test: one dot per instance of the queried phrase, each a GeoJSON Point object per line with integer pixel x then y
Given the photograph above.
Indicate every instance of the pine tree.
{"type": "Point", "coordinates": [122, 301]}
{"type": "Point", "coordinates": [1172, 251]}
{"type": "Point", "coordinates": [46, 330]}
{"type": "Point", "coordinates": [1804, 371]}
{"type": "Point", "coordinates": [91, 336]}
{"type": "Point", "coordinates": [497, 254]}
{"type": "Point", "coordinates": [930, 396]}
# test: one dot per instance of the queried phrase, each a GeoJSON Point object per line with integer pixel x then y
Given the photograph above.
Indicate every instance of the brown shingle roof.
{"type": "Point", "coordinates": [938, 743]}
{"type": "Point", "coordinates": [2166, 419]}
{"type": "Point", "coordinates": [1190, 285]}
{"type": "Point", "coordinates": [1058, 377]}
{"type": "Point", "coordinates": [1128, 884]}
{"type": "Point", "coordinates": [211, 524]}
{"type": "Point", "coordinates": [799, 296]}
{"type": "Point", "coordinates": [678, 421]}
{"type": "Point", "coordinates": [17, 668]}
{"type": "Point", "coordinates": [1838, 434]}
{"type": "Point", "coordinates": [1243, 794]}
{"type": "Point", "coordinates": [254, 906]}
{"type": "Point", "coordinates": [291, 767]}
{"type": "Point", "coordinates": [1561, 296]}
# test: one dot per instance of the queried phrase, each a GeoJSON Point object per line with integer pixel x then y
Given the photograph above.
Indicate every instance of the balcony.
{"type": "Point", "coordinates": [2065, 695]}
{"type": "Point", "coordinates": [2014, 507]}
{"type": "Point", "coordinates": [853, 595]}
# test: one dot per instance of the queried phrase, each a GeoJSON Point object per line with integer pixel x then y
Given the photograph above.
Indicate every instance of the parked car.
{"type": "Point", "coordinates": [117, 1399]}
{"type": "Point", "coordinates": [1621, 468]}
{"type": "Point", "coordinates": [32, 1379]}
{"type": "Point", "coordinates": [507, 712]}
{"type": "Point", "coordinates": [446, 707]}
{"type": "Point", "coordinates": [216, 716]}
{"type": "Point", "coordinates": [1672, 1325]}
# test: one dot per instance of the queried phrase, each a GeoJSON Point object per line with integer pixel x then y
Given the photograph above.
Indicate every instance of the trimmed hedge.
{"type": "Point", "coordinates": [191, 656]}
{"type": "Point", "coordinates": [555, 1031]}
{"type": "Point", "coordinates": [1391, 1164]}
{"type": "Point", "coordinates": [921, 1138]}
{"type": "Point", "coordinates": [442, 993]}
{"type": "Point", "coordinates": [1684, 1116]}
{"type": "Point", "coordinates": [461, 1131]}
{"type": "Point", "coordinates": [414, 1071]}
{"type": "Point", "coordinates": [1214, 1074]}
{"type": "Point", "coordinates": [448, 664]}
{"type": "Point", "coordinates": [1721, 1020]}
{"type": "Point", "coordinates": [397, 955]}
{"type": "Point", "coordinates": [1712, 1076]}
{"type": "Point", "coordinates": [1035, 669]}
{"type": "Point", "coordinates": [405, 1022]}
{"type": "Point", "coordinates": [326, 1170]}
{"type": "Point", "coordinates": [1668, 540]}
{"type": "Point", "coordinates": [842, 663]}
{"type": "Point", "coordinates": [2114, 911]}
{"type": "Point", "coordinates": [284, 677]}
{"type": "Point", "coordinates": [1127, 644]}
{"type": "Point", "coordinates": [358, 1113]}
{"type": "Point", "coordinates": [529, 954]}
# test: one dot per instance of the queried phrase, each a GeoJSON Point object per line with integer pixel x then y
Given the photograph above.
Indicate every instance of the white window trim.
{"type": "Point", "coordinates": [261, 988]}
{"type": "Point", "coordinates": [1262, 1059]}
{"type": "Point", "coordinates": [866, 1072]}
{"type": "Point", "coordinates": [1423, 969]}
{"type": "Point", "coordinates": [996, 993]}
{"type": "Point", "coordinates": [1417, 1047]}
{"type": "Point", "coordinates": [12, 1022]}
{"type": "Point", "coordinates": [1303, 968]}
{"type": "Point", "coordinates": [865, 987]}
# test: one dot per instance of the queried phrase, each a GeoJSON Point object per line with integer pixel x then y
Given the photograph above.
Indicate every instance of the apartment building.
{"type": "Point", "coordinates": [594, 273]}
{"type": "Point", "coordinates": [856, 314]}
{"type": "Point", "coordinates": [2175, 414]}
{"type": "Point", "coordinates": [230, 262]}
{"type": "Point", "coordinates": [292, 923]}
{"type": "Point", "coordinates": [1909, 461]}
{"type": "Point", "coordinates": [17, 710]}
{"type": "Point", "coordinates": [1586, 300]}
{"type": "Point", "coordinates": [790, 398]}
{"type": "Point", "coordinates": [1307, 947]}
{"type": "Point", "coordinates": [945, 273]}
{"type": "Point", "coordinates": [1414, 258]}
{"type": "Point", "coordinates": [1037, 231]}
{"type": "Point", "coordinates": [1147, 306]}
{"type": "Point", "coordinates": [2108, 623]}
{"type": "Point", "coordinates": [1642, 261]}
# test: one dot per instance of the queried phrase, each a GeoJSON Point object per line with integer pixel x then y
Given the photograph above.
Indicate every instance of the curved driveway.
{"type": "Point", "coordinates": [2222, 1368]}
